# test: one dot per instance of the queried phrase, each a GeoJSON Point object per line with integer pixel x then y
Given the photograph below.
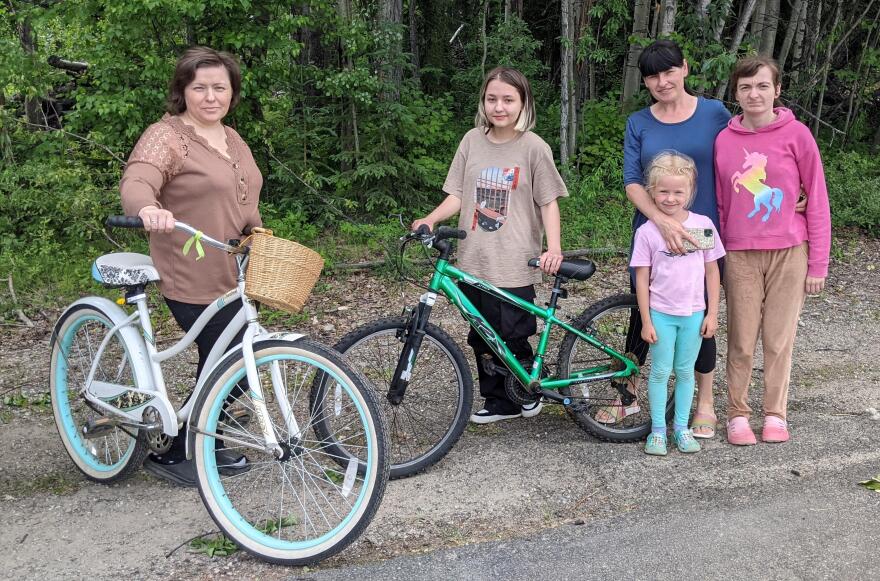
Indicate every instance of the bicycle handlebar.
{"type": "Point", "coordinates": [424, 234]}
{"type": "Point", "coordinates": [137, 222]}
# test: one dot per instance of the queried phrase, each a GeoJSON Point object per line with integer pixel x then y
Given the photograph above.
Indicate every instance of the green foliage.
{"type": "Point", "coordinates": [213, 546]}
{"type": "Point", "coordinates": [597, 213]}
{"type": "Point", "coordinates": [601, 135]}
{"type": "Point", "coordinates": [854, 190]}
{"type": "Point", "coordinates": [342, 145]}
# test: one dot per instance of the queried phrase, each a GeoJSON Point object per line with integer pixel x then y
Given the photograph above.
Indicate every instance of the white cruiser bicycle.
{"type": "Point", "coordinates": [298, 500]}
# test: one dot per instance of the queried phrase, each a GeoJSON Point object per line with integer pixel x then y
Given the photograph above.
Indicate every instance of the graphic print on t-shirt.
{"type": "Point", "coordinates": [492, 197]}
{"type": "Point", "coordinates": [752, 178]}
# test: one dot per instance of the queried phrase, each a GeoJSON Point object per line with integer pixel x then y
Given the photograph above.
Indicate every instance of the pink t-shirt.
{"type": "Point", "coordinates": [677, 281]}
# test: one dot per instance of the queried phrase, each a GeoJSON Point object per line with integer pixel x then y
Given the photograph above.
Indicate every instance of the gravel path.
{"type": "Point", "coordinates": [492, 486]}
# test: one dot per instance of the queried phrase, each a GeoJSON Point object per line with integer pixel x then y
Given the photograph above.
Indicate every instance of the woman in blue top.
{"type": "Point", "coordinates": [688, 124]}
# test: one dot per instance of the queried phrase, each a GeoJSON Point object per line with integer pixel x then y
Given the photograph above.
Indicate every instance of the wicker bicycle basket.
{"type": "Point", "coordinates": [281, 273]}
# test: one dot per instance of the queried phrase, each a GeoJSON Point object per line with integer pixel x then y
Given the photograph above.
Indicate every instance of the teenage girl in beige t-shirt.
{"type": "Point", "coordinates": [504, 186]}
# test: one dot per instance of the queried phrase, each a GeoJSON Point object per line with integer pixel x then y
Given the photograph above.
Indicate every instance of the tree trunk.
{"type": "Point", "coordinates": [565, 97]}
{"type": "Point", "coordinates": [667, 23]}
{"type": "Point", "coordinates": [757, 26]}
{"type": "Point", "coordinates": [853, 103]}
{"type": "Point", "coordinates": [483, 37]}
{"type": "Point", "coordinates": [32, 110]}
{"type": "Point", "coordinates": [797, 53]}
{"type": "Point", "coordinates": [737, 40]}
{"type": "Point", "coordinates": [703, 11]}
{"type": "Point", "coordinates": [771, 19]}
{"type": "Point", "coordinates": [414, 42]}
{"type": "Point", "coordinates": [631, 75]}
{"type": "Point", "coordinates": [826, 66]}
{"type": "Point", "coordinates": [719, 25]}
{"type": "Point", "coordinates": [390, 14]}
{"type": "Point", "coordinates": [797, 10]}
{"type": "Point", "coordinates": [655, 19]}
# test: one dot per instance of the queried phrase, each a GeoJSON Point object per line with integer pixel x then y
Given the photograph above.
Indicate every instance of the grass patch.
{"type": "Point", "coordinates": [58, 484]}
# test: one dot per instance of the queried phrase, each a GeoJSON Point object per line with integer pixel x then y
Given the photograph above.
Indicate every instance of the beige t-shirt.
{"type": "Point", "coordinates": [502, 187]}
{"type": "Point", "coordinates": [174, 168]}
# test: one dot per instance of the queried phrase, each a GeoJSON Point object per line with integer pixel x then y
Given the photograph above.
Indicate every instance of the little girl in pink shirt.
{"type": "Point", "coordinates": [671, 291]}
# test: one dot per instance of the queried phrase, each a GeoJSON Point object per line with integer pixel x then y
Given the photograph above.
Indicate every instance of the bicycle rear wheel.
{"type": "Point", "coordinates": [435, 409]}
{"type": "Point", "coordinates": [610, 321]}
{"type": "Point", "coordinates": [308, 504]}
{"type": "Point", "coordinates": [108, 453]}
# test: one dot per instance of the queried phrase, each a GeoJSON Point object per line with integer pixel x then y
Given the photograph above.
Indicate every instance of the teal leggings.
{"type": "Point", "coordinates": [676, 349]}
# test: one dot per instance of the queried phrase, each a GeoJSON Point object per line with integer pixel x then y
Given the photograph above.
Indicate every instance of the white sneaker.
{"type": "Point", "coordinates": [484, 416]}
{"type": "Point", "coordinates": [531, 410]}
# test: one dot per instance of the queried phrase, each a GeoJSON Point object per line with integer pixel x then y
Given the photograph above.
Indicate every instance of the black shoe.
{"type": "Point", "coordinates": [230, 462]}
{"type": "Point", "coordinates": [180, 472]}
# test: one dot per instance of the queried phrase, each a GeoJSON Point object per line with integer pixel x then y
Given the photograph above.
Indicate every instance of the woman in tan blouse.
{"type": "Point", "coordinates": [191, 167]}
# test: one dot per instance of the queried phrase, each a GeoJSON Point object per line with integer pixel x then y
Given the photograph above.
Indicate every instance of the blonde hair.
{"type": "Point", "coordinates": [671, 163]}
{"type": "Point", "coordinates": [518, 81]}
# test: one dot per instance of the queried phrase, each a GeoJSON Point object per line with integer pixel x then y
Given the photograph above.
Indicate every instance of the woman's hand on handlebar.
{"type": "Point", "coordinates": [156, 219]}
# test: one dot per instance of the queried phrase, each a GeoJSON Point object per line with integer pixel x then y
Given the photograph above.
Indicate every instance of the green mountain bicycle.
{"type": "Point", "coordinates": [426, 386]}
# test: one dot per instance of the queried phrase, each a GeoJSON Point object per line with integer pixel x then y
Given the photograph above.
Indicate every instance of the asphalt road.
{"type": "Point", "coordinates": [796, 528]}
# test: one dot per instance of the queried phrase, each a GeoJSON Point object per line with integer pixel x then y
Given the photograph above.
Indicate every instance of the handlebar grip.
{"type": "Point", "coordinates": [124, 222]}
{"type": "Point", "coordinates": [247, 230]}
{"type": "Point", "coordinates": [535, 262]}
{"type": "Point", "coordinates": [447, 232]}
{"type": "Point", "coordinates": [423, 230]}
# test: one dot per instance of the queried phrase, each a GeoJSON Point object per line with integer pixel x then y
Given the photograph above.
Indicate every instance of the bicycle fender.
{"type": "Point", "coordinates": [137, 350]}
{"type": "Point", "coordinates": [278, 336]}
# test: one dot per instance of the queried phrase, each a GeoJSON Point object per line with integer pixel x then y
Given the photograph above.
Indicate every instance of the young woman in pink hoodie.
{"type": "Point", "coordinates": [763, 160]}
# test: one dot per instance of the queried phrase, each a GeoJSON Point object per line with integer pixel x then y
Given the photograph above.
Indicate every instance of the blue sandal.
{"type": "Point", "coordinates": [656, 444]}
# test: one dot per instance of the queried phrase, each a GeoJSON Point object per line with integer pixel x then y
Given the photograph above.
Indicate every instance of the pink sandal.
{"type": "Point", "coordinates": [775, 430]}
{"type": "Point", "coordinates": [739, 433]}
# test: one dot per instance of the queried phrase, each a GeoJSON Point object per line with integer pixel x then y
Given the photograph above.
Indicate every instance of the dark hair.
{"type": "Point", "coordinates": [659, 56]}
{"type": "Point", "coordinates": [199, 57]}
{"type": "Point", "coordinates": [517, 80]}
{"type": "Point", "coordinates": [749, 67]}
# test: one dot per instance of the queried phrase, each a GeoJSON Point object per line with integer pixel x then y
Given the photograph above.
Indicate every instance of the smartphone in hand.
{"type": "Point", "coordinates": [705, 238]}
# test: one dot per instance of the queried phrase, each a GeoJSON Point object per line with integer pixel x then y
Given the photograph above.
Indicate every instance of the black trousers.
{"type": "Point", "coordinates": [514, 326]}
{"type": "Point", "coordinates": [186, 314]}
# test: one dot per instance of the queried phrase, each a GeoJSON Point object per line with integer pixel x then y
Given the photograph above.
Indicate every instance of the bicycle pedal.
{"type": "Point", "coordinates": [98, 428]}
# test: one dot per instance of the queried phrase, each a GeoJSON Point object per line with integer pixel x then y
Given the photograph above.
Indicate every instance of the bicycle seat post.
{"type": "Point", "coordinates": [558, 292]}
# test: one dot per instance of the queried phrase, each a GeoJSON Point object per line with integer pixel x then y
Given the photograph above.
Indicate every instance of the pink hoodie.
{"type": "Point", "coordinates": [758, 178]}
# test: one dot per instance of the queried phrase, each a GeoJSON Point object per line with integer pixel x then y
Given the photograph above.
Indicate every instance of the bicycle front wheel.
{"type": "Point", "coordinates": [104, 452]}
{"type": "Point", "coordinates": [615, 410]}
{"type": "Point", "coordinates": [435, 409]}
{"type": "Point", "coordinates": [305, 504]}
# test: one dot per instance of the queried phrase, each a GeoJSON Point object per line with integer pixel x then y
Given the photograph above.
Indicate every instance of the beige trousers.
{"type": "Point", "coordinates": [765, 294]}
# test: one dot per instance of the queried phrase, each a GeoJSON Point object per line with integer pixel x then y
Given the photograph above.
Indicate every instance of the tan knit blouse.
{"type": "Point", "coordinates": [173, 168]}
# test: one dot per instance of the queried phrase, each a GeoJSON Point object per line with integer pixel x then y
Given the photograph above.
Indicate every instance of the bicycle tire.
{"type": "Point", "coordinates": [374, 349]}
{"type": "Point", "coordinates": [328, 507]}
{"type": "Point", "coordinates": [609, 321]}
{"type": "Point", "coordinates": [75, 339]}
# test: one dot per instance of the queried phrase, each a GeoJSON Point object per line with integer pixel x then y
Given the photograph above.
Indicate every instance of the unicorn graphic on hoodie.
{"type": "Point", "coordinates": [752, 178]}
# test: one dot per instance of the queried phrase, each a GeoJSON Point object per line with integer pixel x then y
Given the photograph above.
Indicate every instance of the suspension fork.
{"type": "Point", "coordinates": [413, 335]}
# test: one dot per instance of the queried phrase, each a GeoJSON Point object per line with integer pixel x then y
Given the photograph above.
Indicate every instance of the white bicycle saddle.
{"type": "Point", "coordinates": [124, 269]}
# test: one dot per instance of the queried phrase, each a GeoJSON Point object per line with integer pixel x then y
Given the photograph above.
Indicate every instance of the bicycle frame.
{"type": "Point", "coordinates": [444, 281]}
{"type": "Point", "coordinates": [94, 391]}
